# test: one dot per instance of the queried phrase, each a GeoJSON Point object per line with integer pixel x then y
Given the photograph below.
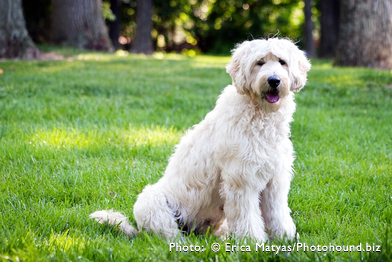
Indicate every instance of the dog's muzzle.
{"type": "Point", "coordinates": [272, 96]}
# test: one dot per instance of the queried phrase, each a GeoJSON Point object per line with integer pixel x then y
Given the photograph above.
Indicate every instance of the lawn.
{"type": "Point", "coordinates": [89, 134]}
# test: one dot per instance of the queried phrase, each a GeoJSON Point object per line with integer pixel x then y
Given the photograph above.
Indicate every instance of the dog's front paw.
{"type": "Point", "coordinates": [261, 237]}
{"type": "Point", "coordinates": [290, 231]}
{"type": "Point", "coordinates": [283, 231]}
{"type": "Point", "coordinates": [258, 235]}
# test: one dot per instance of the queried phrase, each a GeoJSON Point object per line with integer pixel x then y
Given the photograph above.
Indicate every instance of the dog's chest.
{"type": "Point", "coordinates": [264, 144]}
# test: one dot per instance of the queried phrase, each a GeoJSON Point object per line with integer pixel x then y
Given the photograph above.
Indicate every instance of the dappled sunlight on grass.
{"type": "Point", "coordinates": [71, 138]}
{"type": "Point", "coordinates": [212, 59]}
{"type": "Point", "coordinates": [95, 56]}
{"type": "Point", "coordinates": [339, 80]}
{"type": "Point", "coordinates": [198, 61]}
{"type": "Point", "coordinates": [321, 64]}
{"type": "Point", "coordinates": [169, 56]}
{"type": "Point", "coordinates": [65, 242]}
{"type": "Point", "coordinates": [54, 67]}
{"type": "Point", "coordinates": [154, 136]}
{"type": "Point", "coordinates": [121, 53]}
{"type": "Point", "coordinates": [210, 62]}
{"type": "Point", "coordinates": [61, 137]}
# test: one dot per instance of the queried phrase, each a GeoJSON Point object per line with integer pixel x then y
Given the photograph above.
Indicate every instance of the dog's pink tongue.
{"type": "Point", "coordinates": [272, 97]}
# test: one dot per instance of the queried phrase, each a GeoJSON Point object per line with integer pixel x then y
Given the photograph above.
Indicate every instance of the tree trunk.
{"type": "Point", "coordinates": [142, 42]}
{"type": "Point", "coordinates": [309, 43]}
{"type": "Point", "coordinates": [115, 26]}
{"type": "Point", "coordinates": [15, 41]}
{"type": "Point", "coordinates": [365, 34]}
{"type": "Point", "coordinates": [330, 13]}
{"type": "Point", "coordinates": [79, 23]}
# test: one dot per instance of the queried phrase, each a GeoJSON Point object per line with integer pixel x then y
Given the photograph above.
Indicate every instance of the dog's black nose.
{"type": "Point", "coordinates": [274, 81]}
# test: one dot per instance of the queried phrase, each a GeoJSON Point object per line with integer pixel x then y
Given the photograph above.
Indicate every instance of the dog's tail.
{"type": "Point", "coordinates": [114, 218]}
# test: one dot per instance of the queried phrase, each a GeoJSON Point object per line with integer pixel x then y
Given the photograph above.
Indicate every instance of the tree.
{"type": "Point", "coordinates": [80, 24]}
{"type": "Point", "coordinates": [15, 41]}
{"type": "Point", "coordinates": [309, 43]}
{"type": "Point", "coordinates": [142, 42]}
{"type": "Point", "coordinates": [365, 36]}
{"type": "Point", "coordinates": [115, 26]}
{"type": "Point", "coordinates": [329, 22]}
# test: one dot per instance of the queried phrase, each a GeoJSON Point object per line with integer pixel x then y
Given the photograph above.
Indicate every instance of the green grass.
{"type": "Point", "coordinates": [90, 134]}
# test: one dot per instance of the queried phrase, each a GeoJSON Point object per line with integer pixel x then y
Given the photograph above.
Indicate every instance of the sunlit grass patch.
{"type": "Point", "coordinates": [74, 138]}
{"type": "Point", "coordinates": [94, 57]}
{"type": "Point", "coordinates": [155, 136]}
{"type": "Point", "coordinates": [211, 61]}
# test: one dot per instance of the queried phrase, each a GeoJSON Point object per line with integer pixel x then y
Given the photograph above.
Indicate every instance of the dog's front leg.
{"type": "Point", "coordinates": [275, 209]}
{"type": "Point", "coordinates": [242, 210]}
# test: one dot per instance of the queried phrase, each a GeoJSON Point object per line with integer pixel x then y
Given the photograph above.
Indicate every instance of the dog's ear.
{"type": "Point", "coordinates": [299, 68]}
{"type": "Point", "coordinates": [236, 68]}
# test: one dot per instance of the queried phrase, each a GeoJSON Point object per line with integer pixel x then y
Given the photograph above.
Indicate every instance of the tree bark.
{"type": "Point", "coordinates": [79, 23]}
{"type": "Point", "coordinates": [309, 43]}
{"type": "Point", "coordinates": [15, 41]}
{"type": "Point", "coordinates": [115, 26]}
{"type": "Point", "coordinates": [365, 37]}
{"type": "Point", "coordinates": [142, 42]}
{"type": "Point", "coordinates": [329, 21]}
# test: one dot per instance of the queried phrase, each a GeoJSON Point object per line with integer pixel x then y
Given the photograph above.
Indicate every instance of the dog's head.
{"type": "Point", "coordinates": [267, 70]}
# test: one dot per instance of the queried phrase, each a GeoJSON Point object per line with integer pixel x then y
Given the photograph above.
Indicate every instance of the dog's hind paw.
{"type": "Point", "coordinates": [114, 218]}
{"type": "Point", "coordinates": [108, 216]}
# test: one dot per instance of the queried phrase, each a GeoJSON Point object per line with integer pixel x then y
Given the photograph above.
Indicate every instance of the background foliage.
{"type": "Point", "coordinates": [213, 26]}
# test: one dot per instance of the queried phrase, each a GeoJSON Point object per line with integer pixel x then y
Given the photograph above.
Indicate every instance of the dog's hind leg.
{"type": "Point", "coordinates": [114, 218]}
{"type": "Point", "coordinates": [154, 211]}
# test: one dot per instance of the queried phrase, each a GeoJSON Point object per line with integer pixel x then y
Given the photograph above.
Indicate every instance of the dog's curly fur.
{"type": "Point", "coordinates": [232, 170]}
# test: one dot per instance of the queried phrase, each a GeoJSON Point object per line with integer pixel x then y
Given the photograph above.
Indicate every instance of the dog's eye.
{"type": "Point", "coordinates": [282, 62]}
{"type": "Point", "coordinates": [260, 63]}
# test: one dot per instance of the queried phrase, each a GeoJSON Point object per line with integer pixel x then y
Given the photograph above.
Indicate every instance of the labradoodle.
{"type": "Point", "coordinates": [232, 171]}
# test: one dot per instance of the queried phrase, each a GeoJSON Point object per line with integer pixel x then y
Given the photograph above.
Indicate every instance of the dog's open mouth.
{"type": "Point", "coordinates": [272, 96]}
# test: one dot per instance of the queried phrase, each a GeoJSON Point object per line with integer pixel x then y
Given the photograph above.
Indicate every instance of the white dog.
{"type": "Point", "coordinates": [233, 170]}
